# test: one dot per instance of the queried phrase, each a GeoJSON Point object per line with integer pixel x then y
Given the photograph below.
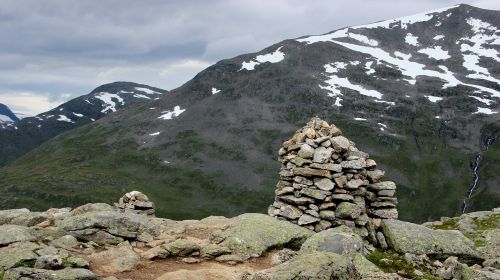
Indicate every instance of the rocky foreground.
{"type": "Point", "coordinates": [100, 241]}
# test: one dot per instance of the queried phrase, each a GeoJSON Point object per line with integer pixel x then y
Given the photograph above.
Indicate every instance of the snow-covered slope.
{"type": "Point", "coordinates": [29, 132]}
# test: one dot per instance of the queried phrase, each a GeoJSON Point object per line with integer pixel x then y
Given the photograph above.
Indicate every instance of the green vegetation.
{"type": "Point", "coordinates": [25, 263]}
{"type": "Point", "coordinates": [391, 262]}
{"type": "Point", "coordinates": [450, 224]}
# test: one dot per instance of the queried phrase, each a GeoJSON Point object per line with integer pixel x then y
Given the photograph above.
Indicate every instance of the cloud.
{"type": "Point", "coordinates": [73, 46]}
{"type": "Point", "coordinates": [30, 103]}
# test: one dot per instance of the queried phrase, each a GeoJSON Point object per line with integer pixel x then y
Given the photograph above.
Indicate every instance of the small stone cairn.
{"type": "Point", "coordinates": [325, 181]}
{"type": "Point", "coordinates": [136, 202]}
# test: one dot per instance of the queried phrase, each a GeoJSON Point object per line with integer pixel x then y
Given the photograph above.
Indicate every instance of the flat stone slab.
{"type": "Point", "coordinates": [406, 237]}
{"type": "Point", "coordinates": [13, 233]}
{"type": "Point", "coordinates": [254, 234]}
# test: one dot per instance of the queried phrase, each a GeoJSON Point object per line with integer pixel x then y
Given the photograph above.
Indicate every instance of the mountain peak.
{"type": "Point", "coordinates": [6, 115]}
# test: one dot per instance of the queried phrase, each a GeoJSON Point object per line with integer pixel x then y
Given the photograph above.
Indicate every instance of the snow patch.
{"type": "Point", "coordinates": [141, 96]}
{"type": "Point", "coordinates": [438, 37]}
{"type": "Point", "coordinates": [369, 69]}
{"type": "Point", "coordinates": [214, 90]}
{"type": "Point", "coordinates": [436, 52]}
{"type": "Point", "coordinates": [411, 39]}
{"type": "Point", "coordinates": [147, 90]}
{"type": "Point", "coordinates": [63, 118]}
{"type": "Point", "coordinates": [433, 99]}
{"type": "Point", "coordinates": [359, 119]}
{"type": "Point", "coordinates": [335, 83]}
{"type": "Point", "coordinates": [341, 33]}
{"type": "Point", "coordinates": [78, 115]}
{"type": "Point", "coordinates": [483, 100]}
{"type": "Point", "coordinates": [155, 133]}
{"type": "Point", "coordinates": [108, 99]}
{"type": "Point", "coordinates": [168, 115]}
{"type": "Point", "coordinates": [273, 57]}
{"type": "Point", "coordinates": [486, 111]}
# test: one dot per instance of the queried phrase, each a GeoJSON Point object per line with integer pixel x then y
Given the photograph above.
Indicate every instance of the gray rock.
{"type": "Point", "coordinates": [311, 266]}
{"type": "Point", "coordinates": [76, 262]}
{"type": "Point", "coordinates": [14, 233]}
{"type": "Point", "coordinates": [42, 274]}
{"type": "Point", "coordinates": [324, 184]}
{"type": "Point", "coordinates": [67, 241]}
{"type": "Point", "coordinates": [307, 219]}
{"type": "Point", "coordinates": [386, 192]}
{"type": "Point", "coordinates": [251, 234]}
{"type": "Point", "coordinates": [354, 184]}
{"type": "Point", "coordinates": [290, 212]}
{"type": "Point", "coordinates": [340, 240]}
{"type": "Point", "coordinates": [306, 151]}
{"type": "Point", "coordinates": [327, 215]}
{"type": "Point", "coordinates": [354, 164]}
{"type": "Point", "coordinates": [406, 237]}
{"type": "Point", "coordinates": [107, 227]}
{"type": "Point", "coordinates": [381, 240]}
{"type": "Point", "coordinates": [346, 210]}
{"type": "Point", "coordinates": [340, 143]}
{"type": "Point", "coordinates": [386, 185]}
{"type": "Point", "coordinates": [181, 247]}
{"type": "Point", "coordinates": [118, 259]}
{"type": "Point", "coordinates": [296, 200]}
{"type": "Point", "coordinates": [316, 194]}
{"type": "Point", "coordinates": [214, 250]}
{"type": "Point", "coordinates": [15, 253]}
{"type": "Point", "coordinates": [342, 196]}
{"type": "Point", "coordinates": [328, 166]}
{"type": "Point", "coordinates": [282, 256]}
{"type": "Point", "coordinates": [375, 175]}
{"type": "Point", "coordinates": [322, 155]}
{"type": "Point", "coordinates": [49, 262]}
{"type": "Point", "coordinates": [6, 216]}
{"type": "Point", "coordinates": [385, 213]}
{"type": "Point", "coordinates": [309, 172]}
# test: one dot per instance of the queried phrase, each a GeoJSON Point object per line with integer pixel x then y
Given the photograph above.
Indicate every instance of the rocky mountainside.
{"type": "Point", "coordinates": [100, 241]}
{"type": "Point", "coordinates": [6, 115]}
{"type": "Point", "coordinates": [17, 137]}
{"type": "Point", "coordinates": [420, 94]}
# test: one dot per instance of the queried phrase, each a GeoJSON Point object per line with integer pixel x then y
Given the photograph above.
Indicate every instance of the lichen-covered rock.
{"type": "Point", "coordinates": [107, 227]}
{"type": "Point", "coordinates": [16, 253]}
{"type": "Point", "coordinates": [14, 233]}
{"type": "Point", "coordinates": [255, 233]}
{"type": "Point", "coordinates": [49, 262]}
{"type": "Point", "coordinates": [406, 237]}
{"type": "Point", "coordinates": [340, 240]}
{"type": "Point", "coordinates": [311, 266]}
{"type": "Point", "coordinates": [42, 274]}
{"type": "Point", "coordinates": [118, 259]}
{"type": "Point", "coordinates": [181, 247]}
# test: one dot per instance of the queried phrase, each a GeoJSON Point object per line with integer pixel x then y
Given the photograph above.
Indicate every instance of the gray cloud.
{"type": "Point", "coordinates": [61, 49]}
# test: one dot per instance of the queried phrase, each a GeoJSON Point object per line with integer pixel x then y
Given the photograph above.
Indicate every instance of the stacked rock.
{"type": "Point", "coordinates": [136, 202]}
{"type": "Point", "coordinates": [326, 182]}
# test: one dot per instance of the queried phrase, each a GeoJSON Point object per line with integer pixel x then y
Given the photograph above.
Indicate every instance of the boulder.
{"type": "Point", "coordinates": [406, 237]}
{"type": "Point", "coordinates": [340, 240]}
{"type": "Point", "coordinates": [49, 262]}
{"type": "Point", "coordinates": [107, 227]}
{"type": "Point", "coordinates": [62, 274]}
{"type": "Point", "coordinates": [181, 247]}
{"type": "Point", "coordinates": [347, 210]}
{"type": "Point", "coordinates": [256, 233]}
{"type": "Point", "coordinates": [16, 253]}
{"type": "Point", "coordinates": [311, 266]}
{"type": "Point", "coordinates": [14, 233]}
{"type": "Point", "coordinates": [117, 259]}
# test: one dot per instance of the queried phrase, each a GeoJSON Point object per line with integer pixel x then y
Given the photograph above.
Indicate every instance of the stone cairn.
{"type": "Point", "coordinates": [136, 202]}
{"type": "Point", "coordinates": [325, 181]}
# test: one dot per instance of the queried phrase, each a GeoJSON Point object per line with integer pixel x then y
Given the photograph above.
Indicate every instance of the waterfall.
{"type": "Point", "coordinates": [475, 175]}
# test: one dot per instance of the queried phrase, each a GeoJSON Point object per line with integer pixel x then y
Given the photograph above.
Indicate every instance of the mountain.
{"type": "Point", "coordinates": [6, 115]}
{"type": "Point", "coordinates": [419, 93]}
{"type": "Point", "coordinates": [20, 136]}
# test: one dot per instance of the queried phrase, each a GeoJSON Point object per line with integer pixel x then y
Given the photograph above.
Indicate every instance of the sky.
{"type": "Point", "coordinates": [52, 51]}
